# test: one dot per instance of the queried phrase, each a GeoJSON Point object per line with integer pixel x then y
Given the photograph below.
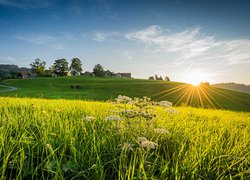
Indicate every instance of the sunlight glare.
{"type": "Point", "coordinates": [196, 77]}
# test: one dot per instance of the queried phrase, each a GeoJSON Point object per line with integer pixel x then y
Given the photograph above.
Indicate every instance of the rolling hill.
{"type": "Point", "coordinates": [234, 86]}
{"type": "Point", "coordinates": [94, 88]}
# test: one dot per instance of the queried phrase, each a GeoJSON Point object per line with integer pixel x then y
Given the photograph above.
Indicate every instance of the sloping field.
{"type": "Point", "coordinates": [93, 88]}
{"type": "Point", "coordinates": [72, 139]}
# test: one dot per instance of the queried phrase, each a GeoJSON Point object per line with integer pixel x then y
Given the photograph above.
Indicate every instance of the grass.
{"type": "Point", "coordinates": [102, 89]}
{"type": "Point", "coordinates": [72, 139]}
{"type": "Point", "coordinates": [3, 89]}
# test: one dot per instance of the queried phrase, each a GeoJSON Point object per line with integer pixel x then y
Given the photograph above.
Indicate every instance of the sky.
{"type": "Point", "coordinates": [183, 39]}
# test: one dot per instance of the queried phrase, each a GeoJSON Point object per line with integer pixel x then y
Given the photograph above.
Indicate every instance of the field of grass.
{"type": "Point", "coordinates": [2, 89]}
{"type": "Point", "coordinates": [94, 88]}
{"type": "Point", "coordinates": [73, 139]}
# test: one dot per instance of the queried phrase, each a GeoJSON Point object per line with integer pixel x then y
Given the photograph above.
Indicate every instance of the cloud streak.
{"type": "Point", "coordinates": [42, 39]}
{"type": "Point", "coordinates": [100, 36]}
{"type": "Point", "coordinates": [192, 46]}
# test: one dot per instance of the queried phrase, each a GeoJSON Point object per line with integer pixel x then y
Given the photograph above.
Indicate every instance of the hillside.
{"type": "Point", "coordinates": [234, 86]}
{"type": "Point", "coordinates": [93, 88]}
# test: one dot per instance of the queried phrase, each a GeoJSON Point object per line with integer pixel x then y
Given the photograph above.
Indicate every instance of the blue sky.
{"type": "Point", "coordinates": [182, 39]}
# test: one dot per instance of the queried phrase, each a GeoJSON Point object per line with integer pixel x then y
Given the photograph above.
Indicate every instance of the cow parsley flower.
{"type": "Point", "coordinates": [161, 131]}
{"type": "Point", "coordinates": [88, 118]}
{"type": "Point", "coordinates": [123, 99]}
{"type": "Point", "coordinates": [146, 143]}
{"type": "Point", "coordinates": [113, 118]}
{"type": "Point", "coordinates": [172, 111]}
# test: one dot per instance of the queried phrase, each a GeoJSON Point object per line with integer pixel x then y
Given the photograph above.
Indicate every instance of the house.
{"type": "Point", "coordinates": [126, 75]}
{"type": "Point", "coordinates": [87, 73]}
{"type": "Point", "coordinates": [24, 75]}
{"type": "Point", "coordinates": [108, 73]}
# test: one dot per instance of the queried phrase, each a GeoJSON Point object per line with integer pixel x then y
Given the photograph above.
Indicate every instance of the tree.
{"type": "Point", "coordinates": [60, 67]}
{"type": "Point", "coordinates": [160, 78]}
{"type": "Point", "coordinates": [38, 66]}
{"type": "Point", "coordinates": [98, 70]}
{"type": "Point", "coordinates": [167, 78]}
{"type": "Point", "coordinates": [151, 78]}
{"type": "Point", "coordinates": [76, 66]}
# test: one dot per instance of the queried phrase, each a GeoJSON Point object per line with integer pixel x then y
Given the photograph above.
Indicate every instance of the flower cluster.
{"type": "Point", "coordinates": [145, 143]}
{"type": "Point", "coordinates": [88, 118]}
{"type": "Point", "coordinates": [165, 104]}
{"type": "Point", "coordinates": [123, 99]}
{"type": "Point", "coordinates": [161, 131]}
{"type": "Point", "coordinates": [172, 111]}
{"type": "Point", "coordinates": [141, 103]}
{"type": "Point", "coordinates": [113, 118]}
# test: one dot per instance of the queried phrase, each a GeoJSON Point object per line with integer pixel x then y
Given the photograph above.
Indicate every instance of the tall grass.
{"type": "Point", "coordinates": [69, 139]}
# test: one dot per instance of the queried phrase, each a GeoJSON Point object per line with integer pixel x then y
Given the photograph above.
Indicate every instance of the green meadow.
{"type": "Point", "coordinates": [129, 139]}
{"type": "Point", "coordinates": [103, 89]}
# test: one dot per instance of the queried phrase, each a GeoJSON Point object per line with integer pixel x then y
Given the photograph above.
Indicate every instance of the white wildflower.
{"type": "Point", "coordinates": [164, 103]}
{"type": "Point", "coordinates": [161, 131]}
{"type": "Point", "coordinates": [123, 99]}
{"type": "Point", "coordinates": [88, 118]}
{"type": "Point", "coordinates": [146, 143]}
{"type": "Point", "coordinates": [172, 111]}
{"type": "Point", "coordinates": [113, 118]}
{"type": "Point", "coordinates": [141, 139]}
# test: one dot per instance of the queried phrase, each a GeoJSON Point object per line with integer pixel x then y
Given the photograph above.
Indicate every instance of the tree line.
{"type": "Point", "coordinates": [61, 68]}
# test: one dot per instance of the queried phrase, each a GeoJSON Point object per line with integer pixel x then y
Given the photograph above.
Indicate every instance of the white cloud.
{"type": "Point", "coordinates": [36, 39]}
{"type": "Point", "coordinates": [69, 37]}
{"type": "Point", "coordinates": [100, 36]}
{"type": "Point", "coordinates": [43, 39]}
{"type": "Point", "coordinates": [192, 46]}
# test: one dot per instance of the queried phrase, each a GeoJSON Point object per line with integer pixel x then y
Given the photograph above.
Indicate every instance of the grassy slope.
{"type": "Point", "coordinates": [234, 86]}
{"type": "Point", "coordinates": [49, 139]}
{"type": "Point", "coordinates": [109, 88]}
{"type": "Point", "coordinates": [3, 88]}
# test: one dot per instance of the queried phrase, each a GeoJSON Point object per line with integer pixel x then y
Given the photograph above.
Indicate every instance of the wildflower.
{"type": "Point", "coordinates": [161, 131]}
{"type": "Point", "coordinates": [146, 143]}
{"type": "Point", "coordinates": [123, 99]}
{"type": "Point", "coordinates": [141, 139]}
{"type": "Point", "coordinates": [113, 118]}
{"type": "Point", "coordinates": [88, 118]}
{"type": "Point", "coordinates": [172, 111]}
{"type": "Point", "coordinates": [129, 113]}
{"type": "Point", "coordinates": [163, 104]}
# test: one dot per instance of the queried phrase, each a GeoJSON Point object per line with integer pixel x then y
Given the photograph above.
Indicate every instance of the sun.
{"type": "Point", "coordinates": [196, 77]}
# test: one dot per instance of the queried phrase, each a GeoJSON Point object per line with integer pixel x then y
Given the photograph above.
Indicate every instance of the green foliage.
{"type": "Point", "coordinates": [76, 66]}
{"type": "Point", "coordinates": [98, 70]}
{"type": "Point", "coordinates": [60, 67]}
{"type": "Point", "coordinates": [70, 139]}
{"type": "Point", "coordinates": [38, 66]}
